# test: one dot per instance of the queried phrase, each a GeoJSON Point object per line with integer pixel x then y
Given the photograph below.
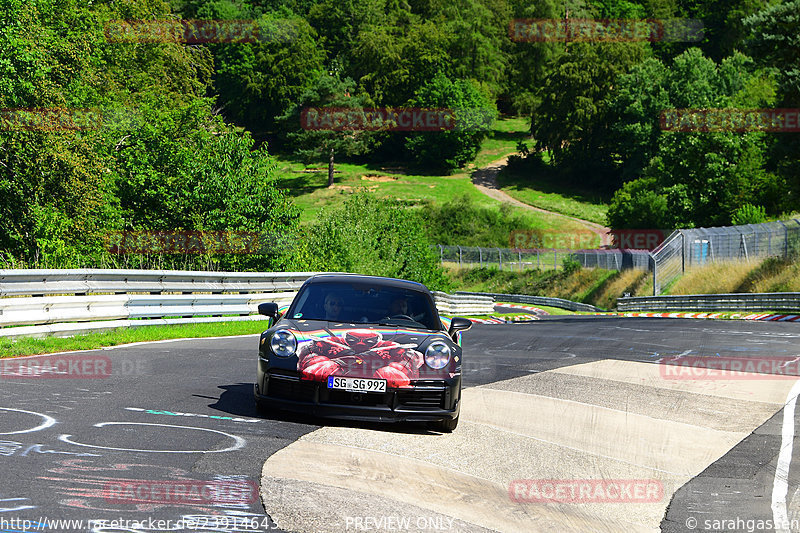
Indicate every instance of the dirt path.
{"type": "Point", "coordinates": [485, 179]}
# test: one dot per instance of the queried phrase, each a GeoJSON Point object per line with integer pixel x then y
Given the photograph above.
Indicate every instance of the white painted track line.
{"type": "Point", "coordinates": [781, 484]}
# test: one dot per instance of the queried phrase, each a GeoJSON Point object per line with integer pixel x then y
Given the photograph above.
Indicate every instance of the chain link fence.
{"type": "Point", "coordinates": [683, 249]}
{"type": "Point", "coordinates": [518, 259]}
{"type": "Point", "coordinates": [686, 248]}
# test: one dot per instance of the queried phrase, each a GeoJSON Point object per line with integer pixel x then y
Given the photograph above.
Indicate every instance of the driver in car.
{"type": "Point", "coordinates": [399, 306]}
{"type": "Point", "coordinates": [333, 307]}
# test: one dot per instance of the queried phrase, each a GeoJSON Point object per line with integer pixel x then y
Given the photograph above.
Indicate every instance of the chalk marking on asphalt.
{"type": "Point", "coordinates": [239, 441]}
{"type": "Point", "coordinates": [195, 415]}
{"type": "Point", "coordinates": [47, 422]}
{"type": "Point", "coordinates": [781, 484]}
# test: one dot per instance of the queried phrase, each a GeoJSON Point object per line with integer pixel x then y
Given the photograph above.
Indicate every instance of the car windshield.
{"type": "Point", "coordinates": [366, 303]}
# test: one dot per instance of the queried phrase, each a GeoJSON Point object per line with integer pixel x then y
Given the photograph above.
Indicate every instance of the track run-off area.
{"type": "Point", "coordinates": [567, 424]}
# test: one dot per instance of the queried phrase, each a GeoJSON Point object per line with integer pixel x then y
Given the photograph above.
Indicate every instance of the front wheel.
{"type": "Point", "coordinates": [261, 408]}
{"type": "Point", "coordinates": [445, 426]}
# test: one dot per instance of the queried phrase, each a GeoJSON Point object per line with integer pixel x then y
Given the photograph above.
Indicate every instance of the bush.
{"type": "Point", "coordinates": [637, 205]}
{"type": "Point", "coordinates": [749, 214]}
{"type": "Point", "coordinates": [460, 221]}
{"type": "Point", "coordinates": [570, 265]}
{"type": "Point", "coordinates": [368, 235]}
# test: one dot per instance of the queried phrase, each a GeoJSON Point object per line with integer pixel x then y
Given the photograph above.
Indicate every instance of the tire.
{"type": "Point", "coordinates": [261, 408]}
{"type": "Point", "coordinates": [445, 426]}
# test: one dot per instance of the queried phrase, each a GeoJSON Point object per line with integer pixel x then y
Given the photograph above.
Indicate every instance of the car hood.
{"type": "Point", "coordinates": [309, 330]}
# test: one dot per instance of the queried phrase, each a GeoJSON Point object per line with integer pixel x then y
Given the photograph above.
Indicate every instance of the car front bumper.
{"type": "Point", "coordinates": [425, 401]}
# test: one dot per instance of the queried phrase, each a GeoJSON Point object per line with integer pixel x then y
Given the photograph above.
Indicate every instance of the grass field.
{"type": "Point", "coordinates": [544, 193]}
{"type": "Point", "coordinates": [308, 186]}
{"type": "Point", "coordinates": [28, 346]}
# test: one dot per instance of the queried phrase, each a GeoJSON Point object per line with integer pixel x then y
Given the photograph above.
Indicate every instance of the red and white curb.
{"type": "Point", "coordinates": [505, 320]}
{"type": "Point", "coordinates": [724, 316]}
{"type": "Point", "coordinates": [535, 310]}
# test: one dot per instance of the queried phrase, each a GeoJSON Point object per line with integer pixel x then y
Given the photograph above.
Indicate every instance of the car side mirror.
{"type": "Point", "coordinates": [269, 309]}
{"type": "Point", "coordinates": [459, 324]}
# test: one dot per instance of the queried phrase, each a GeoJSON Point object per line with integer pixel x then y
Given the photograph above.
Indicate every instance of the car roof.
{"type": "Point", "coordinates": [350, 278]}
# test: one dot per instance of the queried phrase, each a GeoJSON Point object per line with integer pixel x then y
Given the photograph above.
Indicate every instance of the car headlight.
{"type": "Point", "coordinates": [283, 343]}
{"type": "Point", "coordinates": [437, 355]}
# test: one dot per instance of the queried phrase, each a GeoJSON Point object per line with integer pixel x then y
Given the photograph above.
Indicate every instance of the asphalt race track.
{"type": "Point", "coordinates": [567, 424]}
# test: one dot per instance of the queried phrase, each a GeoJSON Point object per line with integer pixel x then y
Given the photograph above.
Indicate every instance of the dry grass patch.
{"type": "Point", "coordinates": [775, 274]}
{"type": "Point", "coordinates": [616, 286]}
{"type": "Point", "coordinates": [714, 278]}
{"type": "Point", "coordinates": [376, 177]}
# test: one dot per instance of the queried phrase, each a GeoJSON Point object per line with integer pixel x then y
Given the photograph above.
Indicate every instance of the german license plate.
{"type": "Point", "coordinates": [357, 384]}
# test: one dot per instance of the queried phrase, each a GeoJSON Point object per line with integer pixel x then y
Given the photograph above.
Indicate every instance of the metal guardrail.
{"type": "Point", "coordinates": [774, 301]}
{"type": "Point", "coordinates": [69, 302]}
{"type": "Point", "coordinates": [100, 281]}
{"type": "Point", "coordinates": [53, 309]}
{"type": "Point", "coordinates": [537, 300]}
{"type": "Point", "coordinates": [463, 304]}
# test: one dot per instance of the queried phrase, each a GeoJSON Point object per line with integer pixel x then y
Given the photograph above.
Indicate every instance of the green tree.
{"type": "Point", "coordinates": [151, 155]}
{"type": "Point", "coordinates": [258, 81]}
{"type": "Point", "coordinates": [530, 62]}
{"type": "Point", "coordinates": [703, 178]}
{"type": "Point", "coordinates": [775, 44]}
{"type": "Point", "coordinates": [313, 142]}
{"type": "Point", "coordinates": [450, 149]}
{"type": "Point", "coordinates": [571, 122]}
{"type": "Point", "coordinates": [638, 205]}
{"type": "Point", "coordinates": [393, 59]}
{"type": "Point", "coordinates": [724, 22]}
{"type": "Point", "coordinates": [478, 31]}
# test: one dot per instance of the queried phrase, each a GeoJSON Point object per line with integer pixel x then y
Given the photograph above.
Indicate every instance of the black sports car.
{"type": "Point", "coordinates": [362, 348]}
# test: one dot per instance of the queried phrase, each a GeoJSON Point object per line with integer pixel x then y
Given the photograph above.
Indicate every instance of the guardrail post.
{"type": "Point", "coordinates": [500, 258]}
{"type": "Point", "coordinates": [459, 256]}
{"type": "Point", "coordinates": [744, 245]}
{"type": "Point", "coordinates": [683, 253]}
{"type": "Point", "coordinates": [519, 254]}
{"type": "Point", "coordinates": [441, 254]}
{"type": "Point", "coordinates": [480, 256]}
{"type": "Point", "coordinates": [655, 276]}
{"type": "Point", "coordinates": [785, 239]}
